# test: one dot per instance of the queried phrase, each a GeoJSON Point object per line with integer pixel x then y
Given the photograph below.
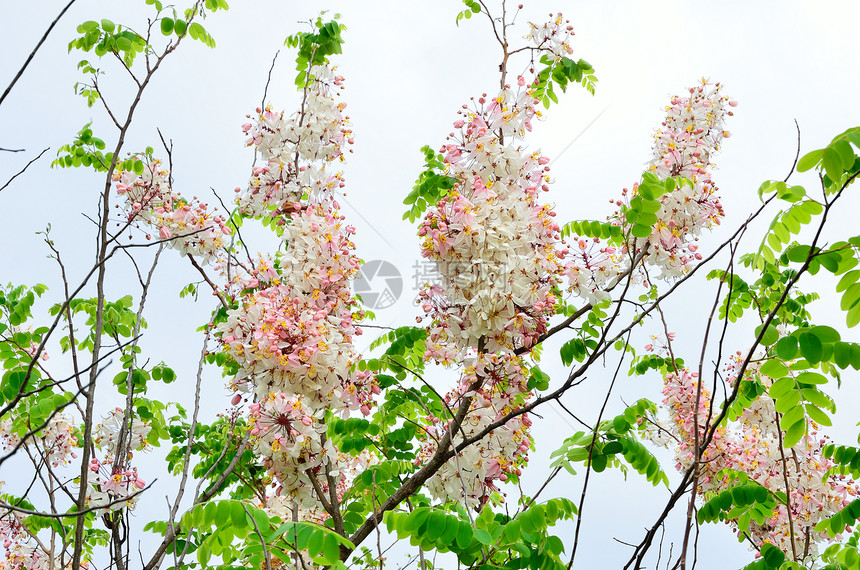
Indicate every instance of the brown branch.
{"type": "Point", "coordinates": [35, 49]}
{"type": "Point", "coordinates": [20, 172]}
{"type": "Point", "coordinates": [590, 453]}
{"type": "Point", "coordinates": [102, 255]}
{"type": "Point", "coordinates": [208, 282]}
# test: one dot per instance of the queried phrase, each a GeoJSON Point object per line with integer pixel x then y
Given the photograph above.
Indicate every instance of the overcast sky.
{"type": "Point", "coordinates": [408, 69]}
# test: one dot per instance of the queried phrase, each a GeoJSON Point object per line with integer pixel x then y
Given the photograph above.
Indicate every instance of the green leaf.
{"type": "Point", "coordinates": [794, 432]}
{"type": "Point", "coordinates": [464, 535]}
{"type": "Point", "coordinates": [810, 347]}
{"type": "Point", "coordinates": [483, 536]}
{"type": "Point", "coordinates": [223, 514]}
{"type": "Point", "coordinates": [815, 414]}
{"type": "Point", "coordinates": [331, 549]}
{"type": "Point", "coordinates": [771, 335]}
{"type": "Point", "coordinates": [781, 387]}
{"type": "Point", "coordinates": [167, 26]}
{"type": "Point", "coordinates": [641, 231]}
{"type": "Point", "coordinates": [774, 369]}
{"type": "Point", "coordinates": [810, 160]}
{"type": "Point", "coordinates": [786, 347]}
{"type": "Point", "coordinates": [237, 515]}
{"type": "Point", "coordinates": [772, 555]}
{"type": "Point", "coordinates": [435, 525]}
{"type": "Point", "coordinates": [832, 164]}
{"type": "Point", "coordinates": [825, 334]}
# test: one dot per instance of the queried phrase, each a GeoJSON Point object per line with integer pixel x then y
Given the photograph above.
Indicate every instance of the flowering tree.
{"type": "Point", "coordinates": [322, 449]}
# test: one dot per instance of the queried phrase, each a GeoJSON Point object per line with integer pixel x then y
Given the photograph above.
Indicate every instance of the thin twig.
{"type": "Point", "coordinates": [590, 453]}
{"type": "Point", "coordinates": [35, 49]}
{"type": "Point", "coordinates": [20, 172]}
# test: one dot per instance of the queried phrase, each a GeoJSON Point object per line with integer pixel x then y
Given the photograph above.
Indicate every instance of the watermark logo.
{"type": "Point", "coordinates": [379, 283]}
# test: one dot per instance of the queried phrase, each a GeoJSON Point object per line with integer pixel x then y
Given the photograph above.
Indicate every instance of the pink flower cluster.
{"type": "Point", "coordinates": [56, 442]}
{"type": "Point", "coordinates": [499, 254]}
{"type": "Point", "coordinates": [692, 131]}
{"type": "Point", "coordinates": [553, 36]}
{"type": "Point", "coordinates": [151, 201]}
{"type": "Point", "coordinates": [292, 331]}
{"type": "Point", "coordinates": [288, 438]}
{"type": "Point", "coordinates": [106, 487]}
{"type": "Point", "coordinates": [752, 445]}
{"type": "Point", "coordinates": [111, 480]}
{"type": "Point", "coordinates": [297, 149]}
{"type": "Point", "coordinates": [494, 244]}
{"type": "Point", "coordinates": [471, 477]}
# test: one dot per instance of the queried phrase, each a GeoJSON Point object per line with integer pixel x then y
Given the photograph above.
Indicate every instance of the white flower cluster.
{"type": "Point", "coordinates": [189, 226]}
{"type": "Point", "coordinates": [553, 36]}
{"type": "Point", "coordinates": [497, 249]}
{"type": "Point", "coordinates": [593, 268]}
{"type": "Point", "coordinates": [297, 149]}
{"type": "Point", "coordinates": [56, 441]}
{"type": "Point", "coordinates": [293, 329]}
{"type": "Point", "coordinates": [106, 434]}
{"type": "Point", "coordinates": [493, 243]}
{"type": "Point", "coordinates": [692, 132]}
{"type": "Point", "coordinates": [753, 446]}
{"type": "Point", "coordinates": [470, 477]}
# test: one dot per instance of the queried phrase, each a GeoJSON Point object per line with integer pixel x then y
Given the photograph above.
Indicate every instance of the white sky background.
{"type": "Point", "coordinates": [408, 69]}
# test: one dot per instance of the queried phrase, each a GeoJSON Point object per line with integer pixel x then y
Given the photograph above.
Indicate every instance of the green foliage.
{"type": "Point", "coordinates": [589, 332]}
{"type": "Point", "coordinates": [562, 71]}
{"type": "Point", "coordinates": [538, 380]}
{"type": "Point", "coordinates": [739, 296]}
{"type": "Point", "coordinates": [35, 398]}
{"type": "Point", "coordinates": [430, 187]}
{"type": "Point", "coordinates": [472, 7]}
{"type": "Point", "coordinates": [771, 557]}
{"type": "Point", "coordinates": [843, 556]}
{"type": "Point", "coordinates": [615, 440]}
{"type": "Point", "coordinates": [505, 542]}
{"type": "Point", "coordinates": [584, 228]}
{"type": "Point", "coordinates": [212, 529]}
{"type": "Point", "coordinates": [748, 392]}
{"type": "Point", "coordinates": [800, 363]}
{"type": "Point", "coordinates": [640, 365]}
{"type": "Point", "coordinates": [741, 500]}
{"type": "Point", "coordinates": [844, 518]}
{"type": "Point", "coordinates": [837, 162]}
{"type": "Point", "coordinates": [321, 544]}
{"type": "Point", "coordinates": [785, 224]}
{"type": "Point", "coordinates": [118, 320]}
{"type": "Point", "coordinates": [209, 442]}
{"type": "Point", "coordinates": [846, 460]}
{"type": "Point", "coordinates": [351, 435]}
{"type": "Point", "coordinates": [106, 37]}
{"type": "Point", "coordinates": [641, 212]}
{"type": "Point", "coordinates": [85, 150]}
{"type": "Point", "coordinates": [315, 47]}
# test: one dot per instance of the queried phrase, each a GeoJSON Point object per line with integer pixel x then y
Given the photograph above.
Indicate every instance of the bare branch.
{"type": "Point", "coordinates": [20, 172]}
{"type": "Point", "coordinates": [35, 49]}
